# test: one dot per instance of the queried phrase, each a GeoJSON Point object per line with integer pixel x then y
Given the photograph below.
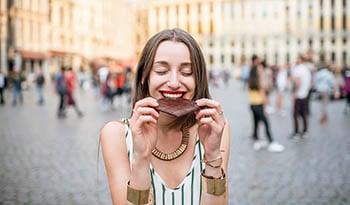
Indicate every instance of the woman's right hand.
{"type": "Point", "coordinates": [143, 126]}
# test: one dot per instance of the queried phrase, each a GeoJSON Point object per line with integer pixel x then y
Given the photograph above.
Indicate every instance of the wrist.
{"type": "Point", "coordinates": [212, 155]}
{"type": "Point", "coordinates": [139, 176]}
{"type": "Point", "coordinates": [214, 161]}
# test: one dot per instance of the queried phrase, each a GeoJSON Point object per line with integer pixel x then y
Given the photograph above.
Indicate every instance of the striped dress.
{"type": "Point", "coordinates": [188, 192]}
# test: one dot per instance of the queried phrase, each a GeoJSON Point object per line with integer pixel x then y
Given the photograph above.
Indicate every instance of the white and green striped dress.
{"type": "Point", "coordinates": [188, 191]}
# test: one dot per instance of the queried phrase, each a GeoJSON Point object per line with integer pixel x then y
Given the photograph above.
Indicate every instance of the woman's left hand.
{"type": "Point", "coordinates": [211, 123]}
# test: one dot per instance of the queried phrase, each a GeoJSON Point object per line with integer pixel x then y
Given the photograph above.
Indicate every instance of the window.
{"type": "Point", "coordinates": [310, 42]}
{"type": "Point", "coordinates": [287, 10]}
{"type": "Point", "coordinates": [222, 58]}
{"type": "Point", "coordinates": [321, 22]}
{"type": "Point", "coordinates": [211, 59]}
{"type": "Point", "coordinates": [211, 26]}
{"type": "Point", "coordinates": [276, 58]}
{"type": "Point", "coordinates": [310, 11]}
{"type": "Point", "coordinates": [344, 57]}
{"type": "Point", "coordinates": [333, 57]}
{"type": "Point", "coordinates": [199, 19]}
{"type": "Point", "coordinates": [167, 16]}
{"type": "Point", "coordinates": [232, 58]}
{"type": "Point", "coordinates": [322, 57]}
{"type": "Point", "coordinates": [344, 21]}
{"type": "Point", "coordinates": [333, 22]}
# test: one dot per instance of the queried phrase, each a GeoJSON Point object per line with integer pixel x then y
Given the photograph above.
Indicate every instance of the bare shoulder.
{"type": "Point", "coordinates": [113, 132]}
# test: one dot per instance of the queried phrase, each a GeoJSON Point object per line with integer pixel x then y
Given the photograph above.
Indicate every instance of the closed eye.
{"type": "Point", "coordinates": [161, 72]}
{"type": "Point", "coordinates": [186, 73]}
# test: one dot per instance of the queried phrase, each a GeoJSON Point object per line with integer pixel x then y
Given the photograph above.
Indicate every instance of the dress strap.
{"type": "Point", "coordinates": [126, 121]}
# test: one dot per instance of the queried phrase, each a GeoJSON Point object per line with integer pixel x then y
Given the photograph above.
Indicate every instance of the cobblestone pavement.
{"type": "Point", "coordinates": [45, 160]}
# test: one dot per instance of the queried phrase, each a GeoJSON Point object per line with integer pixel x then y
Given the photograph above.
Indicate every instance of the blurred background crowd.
{"type": "Point", "coordinates": [95, 44]}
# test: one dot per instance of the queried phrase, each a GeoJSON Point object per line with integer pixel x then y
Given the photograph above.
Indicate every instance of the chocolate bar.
{"type": "Point", "coordinates": [176, 107]}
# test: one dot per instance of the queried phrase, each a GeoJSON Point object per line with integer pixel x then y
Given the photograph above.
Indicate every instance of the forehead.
{"type": "Point", "coordinates": [172, 50]}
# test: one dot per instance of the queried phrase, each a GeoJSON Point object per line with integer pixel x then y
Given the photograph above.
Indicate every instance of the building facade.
{"type": "Point", "coordinates": [3, 33]}
{"type": "Point", "coordinates": [55, 33]}
{"type": "Point", "coordinates": [232, 30]}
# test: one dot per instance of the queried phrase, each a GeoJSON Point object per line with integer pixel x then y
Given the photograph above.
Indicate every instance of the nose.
{"type": "Point", "coordinates": [174, 80]}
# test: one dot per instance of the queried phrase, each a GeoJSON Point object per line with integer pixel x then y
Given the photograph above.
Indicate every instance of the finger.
{"type": "Point", "coordinates": [144, 119]}
{"type": "Point", "coordinates": [206, 112]}
{"type": "Point", "coordinates": [146, 102]}
{"type": "Point", "coordinates": [210, 122]}
{"type": "Point", "coordinates": [145, 111]}
{"type": "Point", "coordinates": [211, 112]}
{"type": "Point", "coordinates": [207, 102]}
{"type": "Point", "coordinates": [210, 103]}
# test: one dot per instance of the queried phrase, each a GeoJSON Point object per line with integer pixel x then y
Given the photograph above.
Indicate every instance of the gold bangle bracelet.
{"type": "Point", "coordinates": [214, 186]}
{"type": "Point", "coordinates": [137, 197]}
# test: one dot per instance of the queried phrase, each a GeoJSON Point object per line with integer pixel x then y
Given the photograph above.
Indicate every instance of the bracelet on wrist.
{"type": "Point", "coordinates": [137, 197]}
{"type": "Point", "coordinates": [214, 186]}
{"type": "Point", "coordinates": [214, 163]}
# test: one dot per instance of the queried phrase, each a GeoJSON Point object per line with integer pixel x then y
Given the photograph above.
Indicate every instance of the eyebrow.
{"type": "Point", "coordinates": [185, 64]}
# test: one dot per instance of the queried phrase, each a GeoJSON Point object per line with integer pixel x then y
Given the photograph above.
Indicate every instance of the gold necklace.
{"type": "Point", "coordinates": [178, 152]}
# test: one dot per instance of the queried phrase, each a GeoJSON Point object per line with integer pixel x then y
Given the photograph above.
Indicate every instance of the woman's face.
{"type": "Point", "coordinates": [171, 75]}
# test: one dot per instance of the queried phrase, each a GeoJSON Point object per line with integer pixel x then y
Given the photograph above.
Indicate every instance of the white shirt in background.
{"type": "Point", "coordinates": [303, 73]}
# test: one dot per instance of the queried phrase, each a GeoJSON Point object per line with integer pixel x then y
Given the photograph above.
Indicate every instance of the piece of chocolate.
{"type": "Point", "coordinates": [176, 107]}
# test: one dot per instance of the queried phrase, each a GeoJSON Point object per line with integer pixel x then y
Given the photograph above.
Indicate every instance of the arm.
{"type": "Point", "coordinates": [116, 160]}
{"type": "Point", "coordinates": [127, 178]}
{"type": "Point", "coordinates": [225, 147]}
{"type": "Point", "coordinates": [214, 133]}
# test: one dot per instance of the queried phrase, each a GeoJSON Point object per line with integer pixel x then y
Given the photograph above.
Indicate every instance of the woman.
{"type": "Point", "coordinates": [171, 65]}
{"type": "Point", "coordinates": [257, 99]}
{"type": "Point", "coordinates": [325, 85]}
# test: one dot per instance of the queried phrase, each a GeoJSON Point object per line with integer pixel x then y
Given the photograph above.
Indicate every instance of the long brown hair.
{"type": "Point", "coordinates": [254, 80]}
{"type": "Point", "coordinates": [146, 61]}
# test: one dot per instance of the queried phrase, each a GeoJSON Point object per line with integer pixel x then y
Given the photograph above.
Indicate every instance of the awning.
{"type": "Point", "coordinates": [33, 55]}
{"type": "Point", "coordinates": [57, 53]}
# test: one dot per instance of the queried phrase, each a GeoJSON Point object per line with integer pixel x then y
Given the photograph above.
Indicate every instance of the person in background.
{"type": "Point", "coordinates": [301, 80]}
{"type": "Point", "coordinates": [3, 84]}
{"type": "Point", "coordinates": [325, 85]}
{"type": "Point", "coordinates": [268, 84]}
{"type": "Point", "coordinates": [40, 81]}
{"type": "Point", "coordinates": [346, 88]}
{"type": "Point", "coordinates": [82, 78]}
{"type": "Point", "coordinates": [16, 78]}
{"type": "Point", "coordinates": [156, 156]}
{"type": "Point", "coordinates": [257, 99]}
{"type": "Point", "coordinates": [71, 82]}
{"type": "Point", "coordinates": [309, 64]}
{"type": "Point", "coordinates": [281, 84]}
{"type": "Point", "coordinates": [61, 90]}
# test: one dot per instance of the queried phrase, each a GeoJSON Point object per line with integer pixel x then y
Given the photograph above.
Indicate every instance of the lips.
{"type": "Point", "coordinates": [172, 94]}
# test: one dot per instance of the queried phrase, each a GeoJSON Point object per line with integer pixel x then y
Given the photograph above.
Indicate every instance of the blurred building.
{"type": "Point", "coordinates": [3, 33]}
{"type": "Point", "coordinates": [277, 30]}
{"type": "Point", "coordinates": [55, 33]}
